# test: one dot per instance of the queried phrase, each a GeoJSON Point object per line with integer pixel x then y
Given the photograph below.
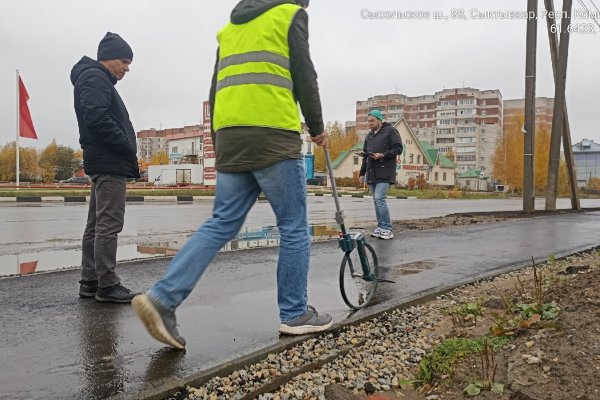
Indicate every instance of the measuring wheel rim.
{"type": "Point", "coordinates": [357, 292]}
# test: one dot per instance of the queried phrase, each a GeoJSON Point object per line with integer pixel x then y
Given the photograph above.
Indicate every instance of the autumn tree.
{"type": "Point", "coordinates": [161, 158]}
{"type": "Point", "coordinates": [563, 179]}
{"type": "Point", "coordinates": [28, 160]}
{"type": "Point", "coordinates": [8, 162]}
{"type": "Point", "coordinates": [593, 183]}
{"type": "Point", "coordinates": [339, 142]}
{"type": "Point", "coordinates": [421, 182]}
{"type": "Point", "coordinates": [412, 182]}
{"type": "Point", "coordinates": [507, 163]}
{"type": "Point", "coordinates": [47, 162]}
{"type": "Point", "coordinates": [450, 155]}
{"type": "Point", "coordinates": [29, 168]}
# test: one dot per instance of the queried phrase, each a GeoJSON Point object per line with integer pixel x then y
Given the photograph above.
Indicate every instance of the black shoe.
{"type": "Point", "coordinates": [114, 294]}
{"type": "Point", "coordinates": [88, 289]}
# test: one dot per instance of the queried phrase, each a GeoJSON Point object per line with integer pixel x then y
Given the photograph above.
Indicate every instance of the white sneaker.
{"type": "Point", "coordinates": [377, 232]}
{"type": "Point", "coordinates": [386, 234]}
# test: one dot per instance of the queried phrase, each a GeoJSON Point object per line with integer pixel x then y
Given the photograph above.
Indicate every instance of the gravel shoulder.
{"type": "Point", "coordinates": [551, 355]}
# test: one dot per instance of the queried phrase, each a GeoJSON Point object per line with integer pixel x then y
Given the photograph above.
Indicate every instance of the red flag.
{"type": "Point", "coordinates": [27, 267]}
{"type": "Point", "coordinates": [26, 128]}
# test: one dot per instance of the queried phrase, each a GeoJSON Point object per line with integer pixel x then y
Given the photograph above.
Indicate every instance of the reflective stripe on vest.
{"type": "Point", "coordinates": [254, 84]}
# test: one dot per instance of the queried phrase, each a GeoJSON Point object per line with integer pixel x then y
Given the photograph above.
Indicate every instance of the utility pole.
{"type": "Point", "coordinates": [528, 181]}
{"type": "Point", "coordinates": [566, 132]}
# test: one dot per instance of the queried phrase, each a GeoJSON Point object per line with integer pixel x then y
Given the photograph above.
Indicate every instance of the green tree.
{"type": "Point", "coordinates": [66, 162]}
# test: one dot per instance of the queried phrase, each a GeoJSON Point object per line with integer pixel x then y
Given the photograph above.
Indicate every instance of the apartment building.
{"type": "Point", "coordinates": [544, 110]}
{"type": "Point", "coordinates": [150, 142]}
{"type": "Point", "coordinates": [464, 121]}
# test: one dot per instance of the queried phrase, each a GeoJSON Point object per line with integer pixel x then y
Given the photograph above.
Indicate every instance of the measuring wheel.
{"type": "Point", "coordinates": [358, 279]}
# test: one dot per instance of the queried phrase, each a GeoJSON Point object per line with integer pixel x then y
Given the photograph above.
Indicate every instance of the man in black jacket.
{"type": "Point", "coordinates": [382, 145]}
{"type": "Point", "coordinates": [107, 138]}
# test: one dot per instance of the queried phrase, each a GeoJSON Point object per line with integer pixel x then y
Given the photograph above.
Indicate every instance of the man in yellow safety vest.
{"type": "Point", "coordinates": [263, 71]}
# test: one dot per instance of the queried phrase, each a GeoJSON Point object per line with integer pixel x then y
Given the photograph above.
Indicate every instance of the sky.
{"type": "Point", "coordinates": [360, 49]}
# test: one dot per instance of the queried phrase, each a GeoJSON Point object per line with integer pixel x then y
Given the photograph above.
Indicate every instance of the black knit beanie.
{"type": "Point", "coordinates": [113, 47]}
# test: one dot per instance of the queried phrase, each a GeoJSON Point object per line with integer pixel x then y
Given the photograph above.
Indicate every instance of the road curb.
{"type": "Point", "coordinates": [157, 199]}
{"type": "Point", "coordinates": [83, 199]}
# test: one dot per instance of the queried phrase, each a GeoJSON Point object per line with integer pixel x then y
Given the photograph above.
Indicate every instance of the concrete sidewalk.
{"type": "Point", "coordinates": [55, 345]}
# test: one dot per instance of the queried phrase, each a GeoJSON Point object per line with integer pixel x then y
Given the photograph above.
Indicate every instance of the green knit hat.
{"type": "Point", "coordinates": [376, 114]}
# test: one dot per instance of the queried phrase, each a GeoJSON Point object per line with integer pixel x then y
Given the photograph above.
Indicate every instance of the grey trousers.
{"type": "Point", "coordinates": [105, 220]}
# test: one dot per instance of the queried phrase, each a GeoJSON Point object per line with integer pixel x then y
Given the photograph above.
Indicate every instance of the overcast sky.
{"type": "Point", "coordinates": [174, 44]}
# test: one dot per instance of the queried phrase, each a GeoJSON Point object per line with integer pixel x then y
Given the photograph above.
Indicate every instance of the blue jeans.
{"type": "Point", "coordinates": [382, 212]}
{"type": "Point", "coordinates": [284, 185]}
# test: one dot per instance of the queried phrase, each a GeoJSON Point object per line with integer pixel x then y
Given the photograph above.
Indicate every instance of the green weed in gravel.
{"type": "Point", "coordinates": [442, 359]}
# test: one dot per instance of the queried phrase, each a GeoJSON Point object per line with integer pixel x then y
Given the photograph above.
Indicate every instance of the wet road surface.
{"type": "Point", "coordinates": [55, 345]}
{"type": "Point", "coordinates": [49, 235]}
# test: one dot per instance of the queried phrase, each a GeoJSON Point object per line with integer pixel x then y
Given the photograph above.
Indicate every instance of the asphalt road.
{"type": "Point", "coordinates": [51, 233]}
{"type": "Point", "coordinates": [55, 345]}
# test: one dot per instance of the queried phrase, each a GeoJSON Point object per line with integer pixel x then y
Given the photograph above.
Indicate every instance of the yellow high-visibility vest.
{"type": "Point", "coordinates": [254, 82]}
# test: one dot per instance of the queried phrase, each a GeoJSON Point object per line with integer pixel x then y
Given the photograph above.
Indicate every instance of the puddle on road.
{"type": "Point", "coordinates": [23, 264]}
{"type": "Point", "coordinates": [412, 268]}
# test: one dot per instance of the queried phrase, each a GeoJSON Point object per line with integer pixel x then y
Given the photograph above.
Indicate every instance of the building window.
{"type": "Point", "coordinates": [411, 158]}
{"type": "Point", "coordinates": [446, 113]}
{"type": "Point", "coordinates": [418, 159]}
{"type": "Point", "coordinates": [435, 176]}
{"type": "Point", "coordinates": [445, 103]}
{"type": "Point", "coordinates": [355, 160]}
{"type": "Point", "coordinates": [444, 176]}
{"type": "Point", "coordinates": [175, 150]}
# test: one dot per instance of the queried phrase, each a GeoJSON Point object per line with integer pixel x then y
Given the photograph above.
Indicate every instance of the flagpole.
{"type": "Point", "coordinates": [18, 128]}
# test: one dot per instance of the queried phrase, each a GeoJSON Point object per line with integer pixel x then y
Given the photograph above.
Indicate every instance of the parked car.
{"type": "Point", "coordinates": [77, 180]}
{"type": "Point", "coordinates": [318, 180]}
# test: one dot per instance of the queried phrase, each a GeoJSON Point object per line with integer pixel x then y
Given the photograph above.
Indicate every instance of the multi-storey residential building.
{"type": "Point", "coordinates": [150, 142]}
{"type": "Point", "coordinates": [464, 121]}
{"type": "Point", "coordinates": [587, 161]}
{"type": "Point", "coordinates": [544, 110]}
